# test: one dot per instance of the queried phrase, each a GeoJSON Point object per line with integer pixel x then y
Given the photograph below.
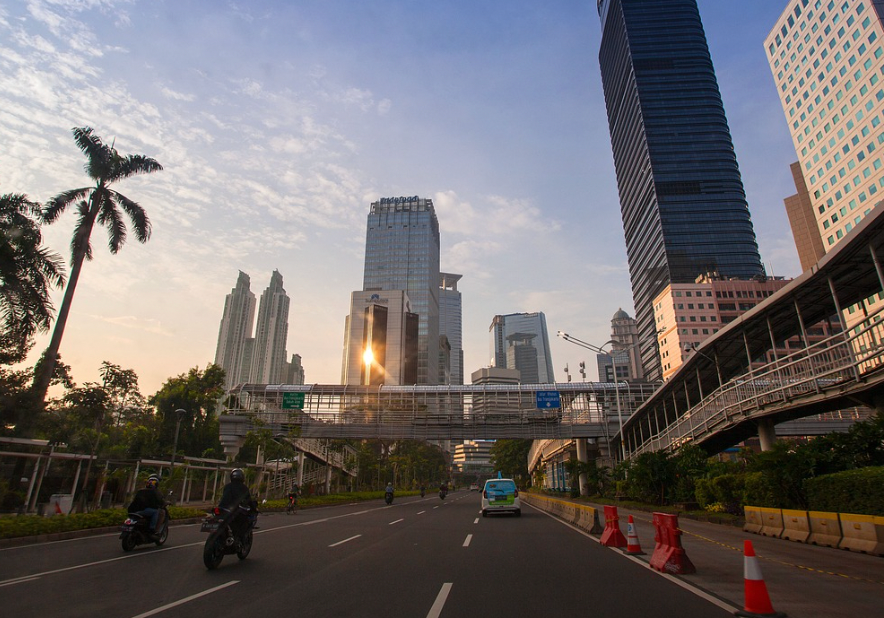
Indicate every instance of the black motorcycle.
{"type": "Point", "coordinates": [443, 493]}
{"type": "Point", "coordinates": [135, 530]}
{"type": "Point", "coordinates": [388, 497]}
{"type": "Point", "coordinates": [222, 539]}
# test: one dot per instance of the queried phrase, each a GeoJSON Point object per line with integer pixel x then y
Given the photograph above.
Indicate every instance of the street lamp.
{"type": "Point", "coordinates": [180, 414]}
{"type": "Point", "coordinates": [600, 350]}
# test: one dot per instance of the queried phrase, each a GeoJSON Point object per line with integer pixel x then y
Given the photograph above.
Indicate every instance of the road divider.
{"type": "Point", "coordinates": [669, 556]}
{"type": "Point", "coordinates": [859, 533]}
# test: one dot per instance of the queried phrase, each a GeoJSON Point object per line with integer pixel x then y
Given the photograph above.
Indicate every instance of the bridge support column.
{"type": "Point", "coordinates": [328, 478]}
{"type": "Point", "coordinates": [300, 469]}
{"type": "Point", "coordinates": [582, 457]}
{"type": "Point", "coordinates": [767, 435]}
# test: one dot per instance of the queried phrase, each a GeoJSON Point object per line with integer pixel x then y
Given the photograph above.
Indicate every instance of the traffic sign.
{"type": "Point", "coordinates": [292, 401]}
{"type": "Point", "coordinates": [548, 399]}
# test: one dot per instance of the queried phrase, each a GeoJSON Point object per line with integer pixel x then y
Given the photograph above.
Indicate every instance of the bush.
{"type": "Point", "coordinates": [854, 491]}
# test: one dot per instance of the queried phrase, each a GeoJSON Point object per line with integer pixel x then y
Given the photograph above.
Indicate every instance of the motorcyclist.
{"type": "Point", "coordinates": [388, 492]}
{"type": "Point", "coordinates": [149, 502]}
{"type": "Point", "coordinates": [443, 488]}
{"type": "Point", "coordinates": [423, 490]}
{"type": "Point", "coordinates": [235, 493]}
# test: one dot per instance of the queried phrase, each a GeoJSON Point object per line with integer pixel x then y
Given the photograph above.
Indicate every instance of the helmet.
{"type": "Point", "coordinates": [153, 480]}
{"type": "Point", "coordinates": [237, 475]}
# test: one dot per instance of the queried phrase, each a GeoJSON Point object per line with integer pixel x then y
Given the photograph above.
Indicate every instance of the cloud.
{"type": "Point", "coordinates": [176, 96]}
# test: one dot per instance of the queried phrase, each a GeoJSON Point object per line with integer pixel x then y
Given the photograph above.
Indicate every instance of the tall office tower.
{"type": "Point", "coordinates": [802, 220]}
{"type": "Point", "coordinates": [380, 340]}
{"type": "Point", "coordinates": [503, 327]}
{"type": "Point", "coordinates": [451, 323]}
{"type": "Point", "coordinates": [402, 253]}
{"type": "Point", "coordinates": [682, 201]}
{"type": "Point", "coordinates": [295, 371]}
{"type": "Point", "coordinates": [522, 355]}
{"type": "Point", "coordinates": [827, 61]}
{"type": "Point", "coordinates": [236, 327]}
{"type": "Point", "coordinates": [268, 357]}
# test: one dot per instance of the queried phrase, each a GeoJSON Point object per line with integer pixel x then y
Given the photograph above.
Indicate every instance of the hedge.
{"type": "Point", "coordinates": [858, 491]}
{"type": "Point", "coordinates": [31, 525]}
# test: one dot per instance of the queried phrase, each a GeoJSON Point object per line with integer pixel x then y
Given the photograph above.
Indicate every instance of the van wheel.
{"type": "Point", "coordinates": [484, 513]}
{"type": "Point", "coordinates": [519, 513]}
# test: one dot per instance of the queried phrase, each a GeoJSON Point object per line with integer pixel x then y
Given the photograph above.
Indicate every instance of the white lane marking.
{"type": "Point", "coordinates": [436, 610]}
{"type": "Point", "coordinates": [345, 541]}
{"type": "Point", "coordinates": [19, 581]}
{"type": "Point", "coordinates": [395, 522]}
{"type": "Point", "coordinates": [435, 507]}
{"type": "Point", "coordinates": [697, 591]}
{"type": "Point", "coordinates": [421, 512]}
{"type": "Point", "coordinates": [158, 610]}
{"type": "Point", "coordinates": [476, 521]}
{"type": "Point", "coordinates": [466, 542]}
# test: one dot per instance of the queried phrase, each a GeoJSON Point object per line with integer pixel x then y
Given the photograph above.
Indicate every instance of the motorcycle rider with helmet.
{"type": "Point", "coordinates": [149, 502]}
{"type": "Point", "coordinates": [235, 493]}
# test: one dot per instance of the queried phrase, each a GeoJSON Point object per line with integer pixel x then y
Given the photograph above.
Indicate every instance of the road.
{"type": "Point", "coordinates": [417, 557]}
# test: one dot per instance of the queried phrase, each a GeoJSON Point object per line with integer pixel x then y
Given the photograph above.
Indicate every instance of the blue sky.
{"type": "Point", "coordinates": [279, 122]}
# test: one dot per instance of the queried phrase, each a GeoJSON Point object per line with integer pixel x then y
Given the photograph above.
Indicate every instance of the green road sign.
{"type": "Point", "coordinates": [292, 401]}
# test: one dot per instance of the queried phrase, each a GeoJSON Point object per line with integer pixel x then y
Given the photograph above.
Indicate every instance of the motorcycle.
{"type": "Point", "coordinates": [292, 506]}
{"type": "Point", "coordinates": [422, 492]}
{"type": "Point", "coordinates": [443, 493]}
{"type": "Point", "coordinates": [388, 497]}
{"type": "Point", "coordinates": [222, 540]}
{"type": "Point", "coordinates": [135, 530]}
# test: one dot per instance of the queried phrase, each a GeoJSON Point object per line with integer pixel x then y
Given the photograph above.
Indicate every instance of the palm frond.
{"type": "Point", "coordinates": [82, 232]}
{"type": "Point", "coordinates": [98, 154]}
{"type": "Point", "coordinates": [11, 203]}
{"type": "Point", "coordinates": [140, 222]}
{"type": "Point", "coordinates": [132, 165]}
{"type": "Point", "coordinates": [109, 217]}
{"type": "Point", "coordinates": [57, 205]}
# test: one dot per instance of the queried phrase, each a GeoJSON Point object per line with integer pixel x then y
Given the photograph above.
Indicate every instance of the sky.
{"type": "Point", "coordinates": [279, 122]}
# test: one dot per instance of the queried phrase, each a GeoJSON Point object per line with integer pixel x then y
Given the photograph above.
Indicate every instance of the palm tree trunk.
{"type": "Point", "coordinates": [50, 356]}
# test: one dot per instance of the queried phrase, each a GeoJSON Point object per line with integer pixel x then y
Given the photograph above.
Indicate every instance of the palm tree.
{"type": "Point", "coordinates": [27, 271]}
{"type": "Point", "coordinates": [105, 166]}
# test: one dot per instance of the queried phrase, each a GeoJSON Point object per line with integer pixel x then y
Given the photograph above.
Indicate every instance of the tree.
{"type": "Point", "coordinates": [27, 271]}
{"type": "Point", "coordinates": [510, 457]}
{"type": "Point", "coordinates": [105, 166]}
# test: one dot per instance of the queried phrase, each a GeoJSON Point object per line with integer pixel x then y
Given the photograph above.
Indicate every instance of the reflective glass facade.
{"type": "Point", "coordinates": [402, 253]}
{"type": "Point", "coordinates": [682, 201]}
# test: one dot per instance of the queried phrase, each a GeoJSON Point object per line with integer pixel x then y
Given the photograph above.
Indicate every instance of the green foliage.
{"type": "Point", "coordinates": [651, 476]}
{"type": "Point", "coordinates": [31, 525]}
{"type": "Point", "coordinates": [510, 457]}
{"type": "Point", "coordinates": [852, 491]}
{"type": "Point", "coordinates": [331, 499]}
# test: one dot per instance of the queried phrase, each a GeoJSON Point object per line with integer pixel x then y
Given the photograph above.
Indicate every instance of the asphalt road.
{"type": "Point", "coordinates": [418, 557]}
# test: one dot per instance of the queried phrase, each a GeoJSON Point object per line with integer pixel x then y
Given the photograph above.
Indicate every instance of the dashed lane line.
{"type": "Point", "coordinates": [439, 603]}
{"type": "Point", "coordinates": [345, 541]}
{"type": "Point", "coordinates": [163, 608]}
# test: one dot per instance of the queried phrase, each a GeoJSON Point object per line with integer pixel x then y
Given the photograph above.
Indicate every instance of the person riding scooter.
{"type": "Point", "coordinates": [149, 502]}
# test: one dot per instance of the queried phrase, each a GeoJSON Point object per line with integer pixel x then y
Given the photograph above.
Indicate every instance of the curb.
{"type": "Point", "coordinates": [77, 534]}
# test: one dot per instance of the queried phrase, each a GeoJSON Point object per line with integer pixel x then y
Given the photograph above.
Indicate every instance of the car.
{"type": "Point", "coordinates": [474, 487]}
{"type": "Point", "coordinates": [501, 496]}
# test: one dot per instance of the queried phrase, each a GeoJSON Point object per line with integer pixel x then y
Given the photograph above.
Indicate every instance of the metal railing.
{"type": "Point", "coordinates": [841, 361]}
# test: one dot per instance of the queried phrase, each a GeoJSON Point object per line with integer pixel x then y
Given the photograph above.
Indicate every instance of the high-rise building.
{"type": "Point", "coordinates": [380, 340]}
{"type": "Point", "coordinates": [624, 356]}
{"type": "Point", "coordinates": [682, 200]}
{"type": "Point", "coordinates": [295, 371]}
{"type": "Point", "coordinates": [521, 341]}
{"type": "Point", "coordinates": [802, 220]}
{"type": "Point", "coordinates": [451, 324]}
{"type": "Point", "coordinates": [827, 60]}
{"type": "Point", "coordinates": [236, 328]}
{"type": "Point", "coordinates": [271, 333]}
{"type": "Point", "coordinates": [402, 253]}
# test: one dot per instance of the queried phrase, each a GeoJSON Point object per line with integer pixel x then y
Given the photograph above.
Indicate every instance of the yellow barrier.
{"type": "Point", "coordinates": [796, 526]}
{"type": "Point", "coordinates": [771, 522]}
{"type": "Point", "coordinates": [582, 516]}
{"type": "Point", "coordinates": [864, 533]}
{"type": "Point", "coordinates": [754, 522]}
{"type": "Point", "coordinates": [825, 528]}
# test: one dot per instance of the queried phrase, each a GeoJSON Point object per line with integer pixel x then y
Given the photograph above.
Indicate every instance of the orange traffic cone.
{"type": "Point", "coordinates": [757, 600]}
{"type": "Point", "coordinates": [632, 544]}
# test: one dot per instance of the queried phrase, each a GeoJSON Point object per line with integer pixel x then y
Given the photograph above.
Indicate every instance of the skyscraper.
{"type": "Point", "coordinates": [827, 60]}
{"type": "Point", "coordinates": [269, 356]}
{"type": "Point", "coordinates": [521, 341]}
{"type": "Point", "coordinates": [451, 323]}
{"type": "Point", "coordinates": [682, 201]}
{"type": "Point", "coordinates": [236, 328]}
{"type": "Point", "coordinates": [402, 253]}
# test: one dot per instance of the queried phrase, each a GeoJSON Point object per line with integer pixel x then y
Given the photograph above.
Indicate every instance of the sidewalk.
{"type": "Point", "coordinates": [804, 581]}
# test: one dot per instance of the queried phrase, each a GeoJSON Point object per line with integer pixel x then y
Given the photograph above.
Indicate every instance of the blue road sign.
{"type": "Point", "coordinates": [548, 399]}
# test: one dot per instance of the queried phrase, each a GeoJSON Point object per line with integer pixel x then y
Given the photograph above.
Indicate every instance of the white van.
{"type": "Point", "coordinates": [501, 496]}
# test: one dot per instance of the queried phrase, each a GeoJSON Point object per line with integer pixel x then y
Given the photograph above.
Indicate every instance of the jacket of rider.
{"type": "Point", "coordinates": [235, 494]}
{"type": "Point", "coordinates": [147, 498]}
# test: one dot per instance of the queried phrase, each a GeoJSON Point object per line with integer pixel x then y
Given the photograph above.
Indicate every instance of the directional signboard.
{"type": "Point", "coordinates": [293, 401]}
{"type": "Point", "coordinates": [548, 399]}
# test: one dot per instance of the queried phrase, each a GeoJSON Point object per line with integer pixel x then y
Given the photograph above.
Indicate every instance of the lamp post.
{"type": "Point", "coordinates": [600, 350]}
{"type": "Point", "coordinates": [180, 413]}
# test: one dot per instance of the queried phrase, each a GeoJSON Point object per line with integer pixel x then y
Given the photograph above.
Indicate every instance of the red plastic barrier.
{"type": "Point", "coordinates": [669, 556]}
{"type": "Point", "coordinates": [612, 536]}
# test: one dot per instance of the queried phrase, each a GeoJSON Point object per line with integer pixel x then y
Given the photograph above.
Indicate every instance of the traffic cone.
{"type": "Point", "coordinates": [57, 509]}
{"type": "Point", "coordinates": [757, 600]}
{"type": "Point", "coordinates": [632, 544]}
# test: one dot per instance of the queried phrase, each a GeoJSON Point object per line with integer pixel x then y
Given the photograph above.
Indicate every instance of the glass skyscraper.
{"type": "Point", "coordinates": [521, 341]}
{"type": "Point", "coordinates": [235, 330]}
{"type": "Point", "coordinates": [682, 201]}
{"type": "Point", "coordinates": [402, 253]}
{"type": "Point", "coordinates": [451, 324]}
